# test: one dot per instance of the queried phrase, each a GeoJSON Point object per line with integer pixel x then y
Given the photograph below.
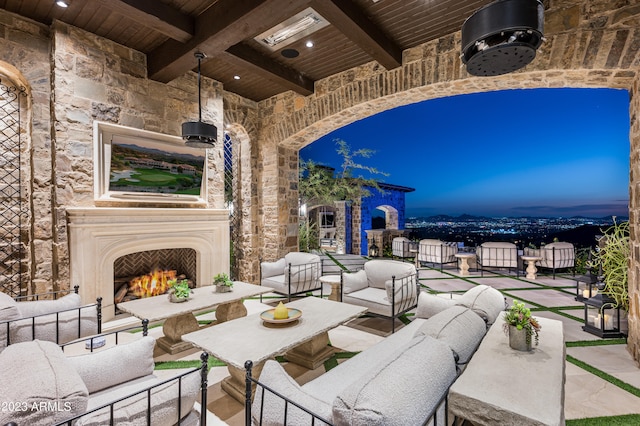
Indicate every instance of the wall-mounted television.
{"type": "Point", "coordinates": [139, 166]}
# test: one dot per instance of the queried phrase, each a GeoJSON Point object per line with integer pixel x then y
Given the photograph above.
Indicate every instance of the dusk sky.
{"type": "Point", "coordinates": [538, 152]}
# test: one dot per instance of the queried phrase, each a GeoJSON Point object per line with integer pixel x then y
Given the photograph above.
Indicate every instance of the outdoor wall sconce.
{"type": "Point", "coordinates": [601, 318]}
{"type": "Point", "coordinates": [374, 251]}
{"type": "Point", "coordinates": [502, 36]}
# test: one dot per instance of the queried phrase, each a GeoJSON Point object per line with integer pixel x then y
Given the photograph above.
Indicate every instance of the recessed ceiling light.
{"type": "Point", "coordinates": [62, 3]}
{"type": "Point", "coordinates": [309, 43]}
{"type": "Point", "coordinates": [236, 77]}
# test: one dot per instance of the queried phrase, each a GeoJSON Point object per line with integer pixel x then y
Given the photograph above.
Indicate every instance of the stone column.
{"type": "Point", "coordinates": [633, 341]}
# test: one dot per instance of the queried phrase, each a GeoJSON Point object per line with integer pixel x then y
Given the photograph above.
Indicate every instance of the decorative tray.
{"type": "Point", "coordinates": [267, 316]}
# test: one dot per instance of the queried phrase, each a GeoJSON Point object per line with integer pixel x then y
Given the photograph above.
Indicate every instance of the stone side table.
{"type": "Point", "coordinates": [464, 262]}
{"type": "Point", "coordinates": [531, 266]}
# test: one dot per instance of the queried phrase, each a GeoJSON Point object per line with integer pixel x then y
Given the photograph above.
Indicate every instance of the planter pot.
{"type": "Point", "coordinates": [222, 288]}
{"type": "Point", "coordinates": [518, 339]}
{"type": "Point", "coordinates": [174, 299]}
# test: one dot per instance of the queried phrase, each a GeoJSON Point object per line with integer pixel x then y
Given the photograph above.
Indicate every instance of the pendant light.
{"type": "Point", "coordinates": [199, 134]}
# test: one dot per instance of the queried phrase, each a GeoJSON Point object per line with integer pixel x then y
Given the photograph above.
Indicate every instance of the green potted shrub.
{"type": "Point", "coordinates": [222, 282]}
{"type": "Point", "coordinates": [179, 291]}
{"type": "Point", "coordinates": [520, 326]}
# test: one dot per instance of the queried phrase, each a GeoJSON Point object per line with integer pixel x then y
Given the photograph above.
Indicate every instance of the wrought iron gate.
{"type": "Point", "coordinates": [12, 205]}
{"type": "Point", "coordinates": [231, 175]}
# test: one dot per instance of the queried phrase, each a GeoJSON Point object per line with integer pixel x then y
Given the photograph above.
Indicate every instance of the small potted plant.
{"type": "Point", "coordinates": [179, 291]}
{"type": "Point", "coordinates": [222, 282]}
{"type": "Point", "coordinates": [521, 327]}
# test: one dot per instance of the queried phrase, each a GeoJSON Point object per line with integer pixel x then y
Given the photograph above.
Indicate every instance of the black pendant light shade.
{"type": "Point", "coordinates": [199, 134]}
{"type": "Point", "coordinates": [502, 37]}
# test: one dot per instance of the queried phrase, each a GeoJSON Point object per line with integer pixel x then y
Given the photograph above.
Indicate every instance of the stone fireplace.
{"type": "Point", "coordinates": [99, 237]}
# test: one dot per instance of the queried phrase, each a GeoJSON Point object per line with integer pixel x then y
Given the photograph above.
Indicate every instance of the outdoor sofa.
{"type": "Point", "coordinates": [557, 255]}
{"type": "Point", "coordinates": [115, 385]}
{"type": "Point", "coordinates": [498, 255]}
{"type": "Point", "coordinates": [387, 288]}
{"type": "Point", "coordinates": [295, 274]}
{"type": "Point", "coordinates": [57, 318]}
{"type": "Point", "coordinates": [437, 252]}
{"type": "Point", "coordinates": [404, 379]}
{"type": "Point", "coordinates": [402, 247]}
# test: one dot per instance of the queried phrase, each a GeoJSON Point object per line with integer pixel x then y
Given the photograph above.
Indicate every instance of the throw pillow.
{"type": "Point", "coordinates": [431, 304]}
{"type": "Point", "coordinates": [405, 288]}
{"type": "Point", "coordinates": [40, 383]}
{"type": "Point", "coordinates": [354, 281]}
{"type": "Point", "coordinates": [119, 364]}
{"type": "Point", "coordinates": [485, 301]}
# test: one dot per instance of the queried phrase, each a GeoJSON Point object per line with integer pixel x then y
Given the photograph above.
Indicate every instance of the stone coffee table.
{"type": "Point", "coordinates": [179, 318]}
{"type": "Point", "coordinates": [304, 341]}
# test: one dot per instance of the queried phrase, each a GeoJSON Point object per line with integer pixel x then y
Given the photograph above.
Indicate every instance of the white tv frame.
{"type": "Point", "coordinates": [102, 136]}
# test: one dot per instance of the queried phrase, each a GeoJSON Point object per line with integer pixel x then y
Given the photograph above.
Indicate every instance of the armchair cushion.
{"type": "Point", "coordinates": [362, 402]}
{"type": "Point", "coordinates": [354, 281]}
{"type": "Point", "coordinates": [379, 271]}
{"type": "Point", "coordinates": [498, 254]}
{"type": "Point", "coordinates": [38, 376]}
{"type": "Point", "coordinates": [116, 365]}
{"type": "Point", "coordinates": [273, 415]}
{"type": "Point", "coordinates": [459, 327]}
{"type": "Point", "coordinates": [270, 269]}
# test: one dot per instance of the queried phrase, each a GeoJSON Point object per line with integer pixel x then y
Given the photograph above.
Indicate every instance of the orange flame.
{"type": "Point", "coordinates": [152, 284]}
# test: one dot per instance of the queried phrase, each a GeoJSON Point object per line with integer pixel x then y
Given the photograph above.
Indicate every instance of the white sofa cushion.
{"type": "Point", "coordinates": [431, 304]}
{"type": "Point", "coordinates": [274, 376]}
{"type": "Point", "coordinates": [39, 377]}
{"type": "Point", "coordinates": [380, 396]}
{"type": "Point", "coordinates": [116, 365]}
{"type": "Point", "coordinates": [459, 327]}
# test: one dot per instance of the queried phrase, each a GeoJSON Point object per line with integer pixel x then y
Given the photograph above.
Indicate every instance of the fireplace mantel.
{"type": "Point", "coordinates": [98, 236]}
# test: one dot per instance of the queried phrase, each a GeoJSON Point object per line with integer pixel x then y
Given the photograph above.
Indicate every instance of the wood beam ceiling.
{"type": "Point", "coordinates": [221, 29]}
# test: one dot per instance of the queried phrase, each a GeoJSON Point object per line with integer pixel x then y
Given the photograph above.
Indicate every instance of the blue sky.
{"type": "Point", "coordinates": [536, 152]}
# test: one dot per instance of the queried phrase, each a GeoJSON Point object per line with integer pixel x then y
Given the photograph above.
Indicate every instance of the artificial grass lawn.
{"type": "Point", "coordinates": [629, 419]}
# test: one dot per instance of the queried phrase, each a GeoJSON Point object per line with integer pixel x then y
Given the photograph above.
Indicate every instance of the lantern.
{"type": "Point", "coordinates": [586, 287]}
{"type": "Point", "coordinates": [374, 251]}
{"type": "Point", "coordinates": [601, 317]}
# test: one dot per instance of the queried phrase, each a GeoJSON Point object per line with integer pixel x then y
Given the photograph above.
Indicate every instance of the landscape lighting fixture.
{"type": "Point", "coordinates": [198, 134]}
{"type": "Point", "coordinates": [502, 36]}
{"type": "Point", "coordinates": [62, 3]}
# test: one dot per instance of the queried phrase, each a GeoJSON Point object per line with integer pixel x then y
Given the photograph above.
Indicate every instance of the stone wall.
{"type": "Point", "coordinates": [634, 223]}
{"type": "Point", "coordinates": [590, 44]}
{"type": "Point", "coordinates": [73, 78]}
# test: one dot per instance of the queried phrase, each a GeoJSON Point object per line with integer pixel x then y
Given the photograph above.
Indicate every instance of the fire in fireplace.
{"type": "Point", "coordinates": [147, 273]}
